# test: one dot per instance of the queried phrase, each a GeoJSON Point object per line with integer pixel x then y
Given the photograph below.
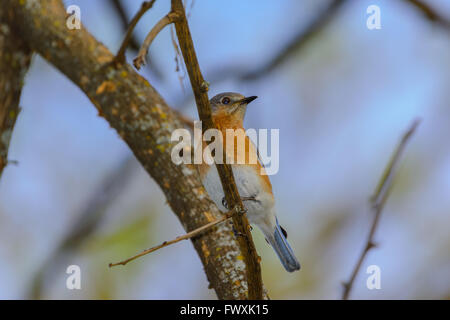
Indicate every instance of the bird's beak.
{"type": "Point", "coordinates": [247, 100]}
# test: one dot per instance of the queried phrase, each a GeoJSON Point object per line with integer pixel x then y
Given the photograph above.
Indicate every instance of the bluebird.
{"type": "Point", "coordinates": [255, 189]}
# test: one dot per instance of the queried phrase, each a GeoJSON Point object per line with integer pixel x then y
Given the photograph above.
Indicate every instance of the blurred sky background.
{"type": "Point", "coordinates": [341, 103]}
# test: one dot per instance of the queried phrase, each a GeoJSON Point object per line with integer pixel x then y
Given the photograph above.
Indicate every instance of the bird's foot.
{"type": "Point", "coordinates": [251, 198]}
{"type": "Point", "coordinates": [235, 232]}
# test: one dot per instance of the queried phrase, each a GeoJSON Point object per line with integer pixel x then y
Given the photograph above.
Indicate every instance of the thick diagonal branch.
{"type": "Point", "coordinates": [145, 122]}
{"type": "Point", "coordinates": [186, 236]}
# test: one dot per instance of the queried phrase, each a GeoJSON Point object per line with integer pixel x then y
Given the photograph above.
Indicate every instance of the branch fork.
{"type": "Point", "coordinates": [177, 239]}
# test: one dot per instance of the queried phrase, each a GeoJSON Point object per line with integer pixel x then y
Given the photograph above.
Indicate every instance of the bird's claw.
{"type": "Point", "coordinates": [236, 233]}
{"type": "Point", "coordinates": [225, 203]}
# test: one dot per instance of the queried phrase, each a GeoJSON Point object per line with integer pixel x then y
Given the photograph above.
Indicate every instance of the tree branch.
{"type": "Point", "coordinates": [120, 10]}
{"type": "Point", "coordinates": [298, 41]}
{"type": "Point", "coordinates": [15, 57]}
{"type": "Point", "coordinates": [378, 200]}
{"type": "Point", "coordinates": [186, 236]}
{"type": "Point", "coordinates": [166, 20]}
{"type": "Point", "coordinates": [145, 122]}
{"type": "Point", "coordinates": [146, 5]}
{"type": "Point", "coordinates": [200, 88]}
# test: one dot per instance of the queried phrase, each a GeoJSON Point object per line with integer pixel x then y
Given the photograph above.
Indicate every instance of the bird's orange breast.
{"type": "Point", "coordinates": [242, 149]}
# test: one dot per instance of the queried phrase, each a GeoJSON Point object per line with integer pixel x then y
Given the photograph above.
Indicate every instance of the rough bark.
{"type": "Point", "coordinates": [15, 58]}
{"type": "Point", "coordinates": [144, 121]}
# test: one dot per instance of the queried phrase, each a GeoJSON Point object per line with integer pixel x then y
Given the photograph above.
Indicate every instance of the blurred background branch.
{"type": "Point", "coordinates": [87, 222]}
{"type": "Point", "coordinates": [302, 38]}
{"type": "Point", "coordinates": [133, 43]}
{"type": "Point", "coordinates": [145, 122]}
{"type": "Point", "coordinates": [298, 42]}
{"type": "Point", "coordinates": [378, 201]}
{"type": "Point", "coordinates": [186, 236]}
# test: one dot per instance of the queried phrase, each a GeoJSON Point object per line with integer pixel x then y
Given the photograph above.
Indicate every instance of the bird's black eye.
{"type": "Point", "coordinates": [226, 100]}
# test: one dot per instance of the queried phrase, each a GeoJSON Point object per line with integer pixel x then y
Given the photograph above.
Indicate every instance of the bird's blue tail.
{"type": "Point", "coordinates": [284, 251]}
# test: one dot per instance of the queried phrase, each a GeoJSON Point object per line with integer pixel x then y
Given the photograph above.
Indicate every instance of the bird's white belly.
{"type": "Point", "coordinates": [249, 185]}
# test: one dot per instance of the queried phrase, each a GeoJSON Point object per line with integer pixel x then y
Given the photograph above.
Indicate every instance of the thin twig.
{"type": "Point", "coordinates": [120, 56]}
{"type": "Point", "coordinates": [378, 200]}
{"type": "Point", "coordinates": [133, 42]}
{"type": "Point", "coordinates": [177, 239]}
{"type": "Point", "coordinates": [188, 122]}
{"type": "Point", "coordinates": [166, 20]}
{"type": "Point", "coordinates": [200, 89]}
{"type": "Point", "coordinates": [189, 11]}
{"type": "Point", "coordinates": [300, 39]}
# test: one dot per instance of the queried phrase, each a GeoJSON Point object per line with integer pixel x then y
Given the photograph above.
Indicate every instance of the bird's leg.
{"type": "Point", "coordinates": [236, 233]}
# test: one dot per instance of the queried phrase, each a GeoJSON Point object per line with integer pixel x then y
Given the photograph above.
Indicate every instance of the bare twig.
{"type": "Point", "coordinates": [166, 20]}
{"type": "Point", "coordinates": [378, 200]}
{"type": "Point", "coordinates": [178, 59]}
{"type": "Point", "coordinates": [188, 122]}
{"type": "Point", "coordinates": [189, 11]}
{"type": "Point", "coordinates": [120, 10]}
{"type": "Point", "coordinates": [120, 56]}
{"type": "Point", "coordinates": [430, 13]}
{"type": "Point", "coordinates": [177, 239]}
{"type": "Point", "coordinates": [200, 88]}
